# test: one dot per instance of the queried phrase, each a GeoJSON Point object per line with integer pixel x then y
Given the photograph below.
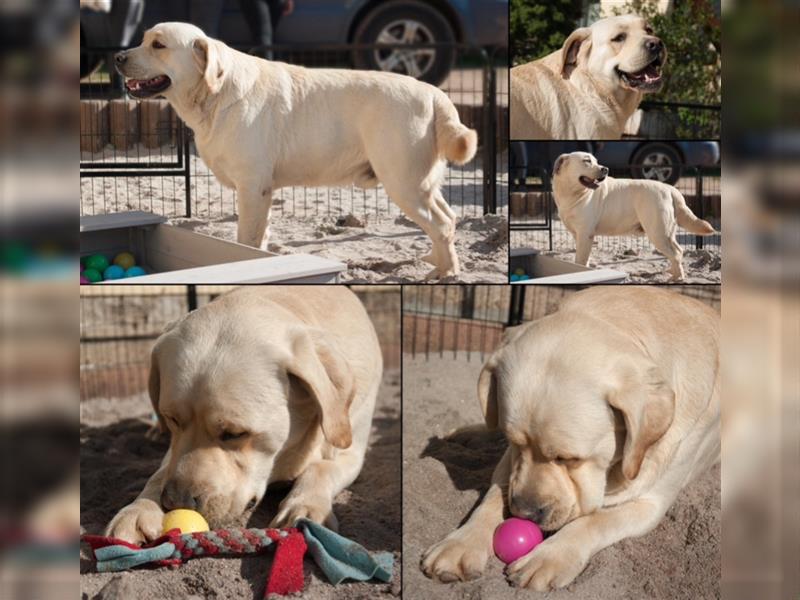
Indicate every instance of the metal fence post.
{"type": "Point", "coordinates": [489, 139]}
{"type": "Point", "coordinates": [467, 301]}
{"type": "Point", "coordinates": [191, 297]}
{"type": "Point", "coordinates": [516, 305]}
{"type": "Point", "coordinates": [187, 175]}
{"type": "Point", "coordinates": [698, 239]}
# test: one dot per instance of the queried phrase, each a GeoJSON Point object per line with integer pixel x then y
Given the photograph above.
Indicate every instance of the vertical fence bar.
{"type": "Point", "coordinates": [191, 297]}
{"type": "Point", "coordinates": [489, 138]}
{"type": "Point", "coordinates": [187, 171]}
{"type": "Point", "coordinates": [516, 305]}
{"type": "Point", "coordinates": [698, 239]}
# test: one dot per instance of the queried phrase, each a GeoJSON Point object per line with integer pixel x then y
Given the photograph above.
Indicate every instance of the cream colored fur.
{"type": "Point", "coordinates": [621, 207]}
{"type": "Point", "coordinates": [576, 93]}
{"type": "Point", "coordinates": [293, 381]}
{"type": "Point", "coordinates": [262, 125]}
{"type": "Point", "coordinates": [610, 406]}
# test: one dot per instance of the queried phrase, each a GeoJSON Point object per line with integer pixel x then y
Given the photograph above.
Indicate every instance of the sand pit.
{"type": "Point", "coordinates": [116, 460]}
{"type": "Point", "coordinates": [362, 228]}
{"type": "Point", "coordinates": [443, 480]}
{"type": "Point", "coordinates": [649, 266]}
{"type": "Point", "coordinates": [380, 249]}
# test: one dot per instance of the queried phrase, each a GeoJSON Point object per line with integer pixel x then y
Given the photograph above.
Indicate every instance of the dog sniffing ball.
{"type": "Point", "coordinates": [514, 538]}
{"type": "Point", "coordinates": [188, 521]}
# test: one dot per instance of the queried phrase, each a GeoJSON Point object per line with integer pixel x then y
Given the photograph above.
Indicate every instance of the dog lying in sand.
{"type": "Point", "coordinates": [264, 384]}
{"type": "Point", "coordinates": [610, 407]}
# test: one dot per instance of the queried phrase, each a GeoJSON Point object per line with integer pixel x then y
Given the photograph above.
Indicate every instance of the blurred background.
{"type": "Point", "coordinates": [39, 402]}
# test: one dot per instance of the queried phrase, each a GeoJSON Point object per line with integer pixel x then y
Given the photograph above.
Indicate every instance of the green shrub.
{"type": "Point", "coordinates": [539, 27]}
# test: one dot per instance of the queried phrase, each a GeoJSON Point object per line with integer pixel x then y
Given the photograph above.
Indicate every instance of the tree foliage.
{"type": "Point", "coordinates": [539, 27]}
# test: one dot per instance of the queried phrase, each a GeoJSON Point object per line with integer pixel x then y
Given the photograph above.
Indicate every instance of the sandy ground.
{"type": "Point", "coordinates": [649, 266]}
{"type": "Point", "coordinates": [381, 249]}
{"type": "Point", "coordinates": [443, 480]}
{"type": "Point", "coordinates": [116, 460]}
{"type": "Point", "coordinates": [362, 228]}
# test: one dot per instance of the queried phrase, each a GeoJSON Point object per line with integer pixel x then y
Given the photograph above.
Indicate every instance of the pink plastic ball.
{"type": "Point", "coordinates": [514, 538]}
{"type": "Point", "coordinates": [84, 280]}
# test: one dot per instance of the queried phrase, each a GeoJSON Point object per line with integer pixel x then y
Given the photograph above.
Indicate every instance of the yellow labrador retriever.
{"type": "Point", "coordinates": [591, 203]}
{"type": "Point", "coordinates": [264, 384]}
{"type": "Point", "coordinates": [610, 407]}
{"type": "Point", "coordinates": [261, 125]}
{"type": "Point", "coordinates": [589, 88]}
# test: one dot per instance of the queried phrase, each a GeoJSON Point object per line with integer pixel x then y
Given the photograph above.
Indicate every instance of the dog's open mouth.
{"type": "Point", "coordinates": [647, 79]}
{"type": "Point", "coordinates": [145, 88]}
{"type": "Point", "coordinates": [590, 183]}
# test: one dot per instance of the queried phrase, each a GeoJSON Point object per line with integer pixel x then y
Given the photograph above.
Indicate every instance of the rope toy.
{"type": "Point", "coordinates": [337, 557]}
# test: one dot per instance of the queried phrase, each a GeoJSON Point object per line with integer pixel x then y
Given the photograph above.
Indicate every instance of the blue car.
{"type": "Point", "coordinates": [662, 161]}
{"type": "Point", "coordinates": [481, 23]}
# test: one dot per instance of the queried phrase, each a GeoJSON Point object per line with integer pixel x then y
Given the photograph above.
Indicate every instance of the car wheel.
{"type": "Point", "coordinates": [406, 22]}
{"type": "Point", "coordinates": [660, 162]}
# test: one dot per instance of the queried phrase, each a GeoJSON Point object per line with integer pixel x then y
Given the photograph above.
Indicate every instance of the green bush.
{"type": "Point", "coordinates": [539, 27]}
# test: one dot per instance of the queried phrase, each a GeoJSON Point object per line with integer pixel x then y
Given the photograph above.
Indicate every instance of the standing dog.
{"type": "Point", "coordinates": [264, 384]}
{"type": "Point", "coordinates": [610, 407]}
{"type": "Point", "coordinates": [592, 203]}
{"type": "Point", "coordinates": [589, 88]}
{"type": "Point", "coordinates": [261, 125]}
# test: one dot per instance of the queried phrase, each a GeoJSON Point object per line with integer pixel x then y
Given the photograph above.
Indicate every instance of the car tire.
{"type": "Point", "coordinates": [410, 22]}
{"type": "Point", "coordinates": [660, 162]}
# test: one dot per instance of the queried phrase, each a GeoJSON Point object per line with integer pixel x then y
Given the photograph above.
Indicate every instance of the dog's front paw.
{"type": "Point", "coordinates": [315, 510]}
{"type": "Point", "coordinates": [140, 521]}
{"type": "Point", "coordinates": [461, 556]}
{"type": "Point", "coordinates": [549, 566]}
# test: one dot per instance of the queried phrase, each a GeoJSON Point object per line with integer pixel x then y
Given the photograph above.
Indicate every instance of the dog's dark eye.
{"type": "Point", "coordinates": [157, 45]}
{"type": "Point", "coordinates": [620, 37]}
{"type": "Point", "coordinates": [228, 436]}
{"type": "Point", "coordinates": [648, 30]}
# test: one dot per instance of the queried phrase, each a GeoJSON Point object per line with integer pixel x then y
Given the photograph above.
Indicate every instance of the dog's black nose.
{"type": "Point", "coordinates": [120, 57]}
{"type": "Point", "coordinates": [654, 45]}
{"type": "Point", "coordinates": [604, 171]}
{"type": "Point", "coordinates": [173, 496]}
{"type": "Point", "coordinates": [528, 510]}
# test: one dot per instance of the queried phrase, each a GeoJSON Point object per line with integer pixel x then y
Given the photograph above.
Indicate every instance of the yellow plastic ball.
{"type": "Point", "coordinates": [519, 271]}
{"type": "Point", "coordinates": [124, 260]}
{"type": "Point", "coordinates": [188, 521]}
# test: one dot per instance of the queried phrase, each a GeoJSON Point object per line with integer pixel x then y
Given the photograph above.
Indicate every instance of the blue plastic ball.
{"type": "Point", "coordinates": [524, 277]}
{"type": "Point", "coordinates": [113, 272]}
{"type": "Point", "coordinates": [135, 272]}
{"type": "Point", "coordinates": [514, 277]}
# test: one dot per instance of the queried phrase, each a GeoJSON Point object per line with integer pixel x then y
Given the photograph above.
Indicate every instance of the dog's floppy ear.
{"type": "Point", "coordinates": [487, 394]}
{"type": "Point", "coordinates": [154, 380]}
{"type": "Point", "coordinates": [647, 403]}
{"type": "Point", "coordinates": [572, 47]}
{"type": "Point", "coordinates": [559, 163]}
{"type": "Point", "coordinates": [208, 57]}
{"type": "Point", "coordinates": [320, 366]}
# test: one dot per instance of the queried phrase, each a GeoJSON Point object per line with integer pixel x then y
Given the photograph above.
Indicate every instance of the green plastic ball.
{"type": "Point", "coordinates": [92, 275]}
{"type": "Point", "coordinates": [98, 262]}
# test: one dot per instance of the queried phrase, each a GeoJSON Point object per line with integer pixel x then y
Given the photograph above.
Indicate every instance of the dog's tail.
{"type": "Point", "coordinates": [454, 140]}
{"type": "Point", "coordinates": [687, 219]}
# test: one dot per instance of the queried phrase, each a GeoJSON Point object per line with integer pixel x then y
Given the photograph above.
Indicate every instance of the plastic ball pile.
{"type": "Point", "coordinates": [96, 267]}
{"type": "Point", "coordinates": [519, 274]}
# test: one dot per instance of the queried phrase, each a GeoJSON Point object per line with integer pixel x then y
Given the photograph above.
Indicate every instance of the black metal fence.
{"type": "Point", "coordinates": [137, 155]}
{"type": "Point", "coordinates": [456, 321]}
{"type": "Point", "coordinates": [535, 223]}
{"type": "Point", "coordinates": [680, 121]}
{"type": "Point", "coordinates": [120, 324]}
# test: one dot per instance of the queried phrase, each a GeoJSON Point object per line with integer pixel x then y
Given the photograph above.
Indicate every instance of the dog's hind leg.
{"type": "Point", "coordinates": [429, 210]}
{"type": "Point", "coordinates": [666, 244]}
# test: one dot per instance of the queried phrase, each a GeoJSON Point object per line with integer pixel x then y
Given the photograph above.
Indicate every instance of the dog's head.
{"type": "Point", "coordinates": [236, 395]}
{"type": "Point", "coordinates": [173, 59]}
{"type": "Point", "coordinates": [620, 51]}
{"type": "Point", "coordinates": [580, 169]}
{"type": "Point", "coordinates": [580, 406]}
